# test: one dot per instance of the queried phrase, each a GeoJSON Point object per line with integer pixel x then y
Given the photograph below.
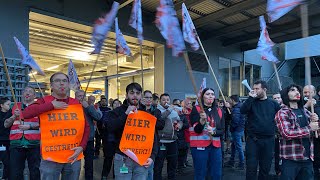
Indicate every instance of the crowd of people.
{"type": "Point", "coordinates": [282, 128]}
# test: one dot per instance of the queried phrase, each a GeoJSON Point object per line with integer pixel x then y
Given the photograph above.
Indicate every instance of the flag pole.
{"type": "Point", "coordinates": [277, 75]}
{"type": "Point", "coordinates": [316, 64]}
{"type": "Point", "coordinates": [305, 34]}
{"type": "Point", "coordinates": [94, 66]}
{"type": "Point", "coordinates": [8, 77]}
{"type": "Point", "coordinates": [141, 66]}
{"type": "Point", "coordinates": [37, 83]}
{"type": "Point", "coordinates": [9, 81]}
{"type": "Point", "coordinates": [186, 58]}
{"type": "Point", "coordinates": [117, 74]}
{"type": "Point", "coordinates": [214, 75]}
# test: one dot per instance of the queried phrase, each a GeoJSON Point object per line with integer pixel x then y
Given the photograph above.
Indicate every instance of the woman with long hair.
{"type": "Point", "coordinates": [205, 132]}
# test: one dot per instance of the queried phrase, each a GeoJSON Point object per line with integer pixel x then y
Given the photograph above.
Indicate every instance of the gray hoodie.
{"type": "Point", "coordinates": [168, 134]}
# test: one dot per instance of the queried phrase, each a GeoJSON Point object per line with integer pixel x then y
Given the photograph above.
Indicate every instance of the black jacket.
{"type": "Point", "coordinates": [182, 144]}
{"type": "Point", "coordinates": [238, 121]}
{"type": "Point", "coordinates": [219, 122]}
{"type": "Point", "coordinates": [116, 123]}
{"type": "Point", "coordinates": [261, 114]}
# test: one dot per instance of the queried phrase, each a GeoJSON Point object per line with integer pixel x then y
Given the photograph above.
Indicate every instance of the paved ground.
{"type": "Point", "coordinates": [228, 173]}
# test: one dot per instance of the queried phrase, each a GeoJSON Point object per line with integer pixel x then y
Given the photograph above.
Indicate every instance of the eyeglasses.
{"type": "Point", "coordinates": [60, 80]}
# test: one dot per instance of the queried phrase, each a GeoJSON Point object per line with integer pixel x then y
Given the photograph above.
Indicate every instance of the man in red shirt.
{"type": "Point", "coordinates": [59, 99]}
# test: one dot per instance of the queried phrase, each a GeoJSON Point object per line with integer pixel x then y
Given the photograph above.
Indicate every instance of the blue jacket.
{"type": "Point", "coordinates": [238, 120]}
{"type": "Point", "coordinates": [92, 114]}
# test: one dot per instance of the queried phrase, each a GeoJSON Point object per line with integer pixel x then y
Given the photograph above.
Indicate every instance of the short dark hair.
{"type": "Point", "coordinates": [235, 98]}
{"type": "Point", "coordinates": [51, 78]}
{"type": "Point", "coordinates": [4, 100]}
{"type": "Point", "coordinates": [133, 86]}
{"type": "Point", "coordinates": [147, 91]}
{"type": "Point", "coordinates": [155, 97]}
{"type": "Point", "coordinates": [115, 101]}
{"type": "Point", "coordinates": [175, 100]}
{"type": "Point", "coordinates": [263, 83]}
{"type": "Point", "coordinates": [164, 94]}
{"type": "Point", "coordinates": [285, 97]}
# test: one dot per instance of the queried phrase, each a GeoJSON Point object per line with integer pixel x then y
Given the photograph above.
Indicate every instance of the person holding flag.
{"type": "Point", "coordinates": [24, 141]}
{"type": "Point", "coordinates": [126, 167]}
{"type": "Point", "coordinates": [205, 133]}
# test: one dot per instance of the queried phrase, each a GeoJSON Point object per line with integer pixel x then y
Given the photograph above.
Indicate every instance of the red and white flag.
{"type": "Point", "coordinates": [73, 77]}
{"type": "Point", "coordinates": [121, 44]}
{"type": "Point", "coordinates": [136, 19]}
{"type": "Point", "coordinates": [188, 29]}
{"type": "Point", "coordinates": [102, 27]}
{"type": "Point", "coordinates": [265, 44]}
{"type": "Point", "coordinates": [27, 58]}
{"type": "Point", "coordinates": [202, 87]}
{"type": "Point", "coordinates": [277, 8]}
{"type": "Point", "coordinates": [168, 24]}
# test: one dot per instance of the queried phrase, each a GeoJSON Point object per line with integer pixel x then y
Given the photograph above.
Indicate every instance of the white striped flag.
{"type": "Point", "coordinates": [136, 19]}
{"type": "Point", "coordinates": [168, 24]}
{"type": "Point", "coordinates": [265, 44]}
{"type": "Point", "coordinates": [27, 58]}
{"type": "Point", "coordinates": [73, 77]}
{"type": "Point", "coordinates": [202, 87]}
{"type": "Point", "coordinates": [102, 27]}
{"type": "Point", "coordinates": [121, 44]}
{"type": "Point", "coordinates": [188, 29]}
{"type": "Point", "coordinates": [277, 8]}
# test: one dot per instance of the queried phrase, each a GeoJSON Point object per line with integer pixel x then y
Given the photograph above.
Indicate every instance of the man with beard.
{"type": "Point", "coordinates": [59, 83]}
{"type": "Point", "coordinates": [260, 130]}
{"type": "Point", "coordinates": [24, 141]}
{"type": "Point", "coordinates": [296, 126]}
{"type": "Point", "coordinates": [116, 124]}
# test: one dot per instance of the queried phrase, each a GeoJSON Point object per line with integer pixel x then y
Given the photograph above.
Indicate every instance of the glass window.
{"type": "Point", "coordinates": [224, 66]}
{"type": "Point", "coordinates": [235, 77]}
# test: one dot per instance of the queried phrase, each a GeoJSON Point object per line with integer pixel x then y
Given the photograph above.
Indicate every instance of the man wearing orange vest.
{"type": "Point", "coordinates": [52, 168]}
{"type": "Point", "coordinates": [24, 141]}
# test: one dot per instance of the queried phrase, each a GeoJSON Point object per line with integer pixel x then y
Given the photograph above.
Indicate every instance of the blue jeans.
{"type": "Point", "coordinates": [208, 159]}
{"type": "Point", "coordinates": [150, 172]}
{"type": "Point", "coordinates": [237, 146]}
{"type": "Point", "coordinates": [51, 170]}
{"type": "Point", "coordinates": [135, 171]}
{"type": "Point", "coordinates": [299, 170]}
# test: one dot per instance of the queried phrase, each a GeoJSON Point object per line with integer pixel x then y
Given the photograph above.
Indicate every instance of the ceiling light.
{"type": "Point", "coordinates": [34, 73]}
{"type": "Point", "coordinates": [53, 67]}
{"type": "Point", "coordinates": [80, 55]}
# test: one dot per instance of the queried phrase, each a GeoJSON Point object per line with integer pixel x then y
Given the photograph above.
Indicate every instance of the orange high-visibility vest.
{"type": "Point", "coordinates": [30, 134]}
{"type": "Point", "coordinates": [204, 139]}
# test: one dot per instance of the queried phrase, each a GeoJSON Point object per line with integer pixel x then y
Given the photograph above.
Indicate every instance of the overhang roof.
{"type": "Point", "coordinates": [236, 22]}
